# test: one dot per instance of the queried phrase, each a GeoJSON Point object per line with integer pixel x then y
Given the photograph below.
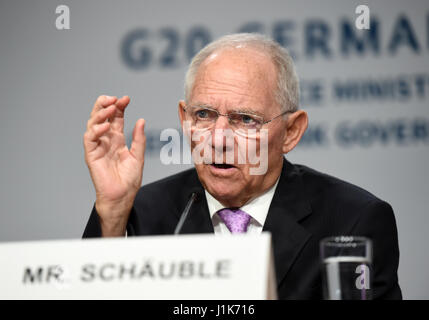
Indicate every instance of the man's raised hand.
{"type": "Point", "coordinates": [116, 171]}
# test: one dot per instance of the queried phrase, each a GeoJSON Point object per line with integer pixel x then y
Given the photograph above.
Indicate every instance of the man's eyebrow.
{"type": "Point", "coordinates": [239, 109]}
{"type": "Point", "coordinates": [249, 111]}
{"type": "Point", "coordinates": [201, 104]}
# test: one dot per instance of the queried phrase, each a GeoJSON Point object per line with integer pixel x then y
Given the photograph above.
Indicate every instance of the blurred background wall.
{"type": "Point", "coordinates": [366, 92]}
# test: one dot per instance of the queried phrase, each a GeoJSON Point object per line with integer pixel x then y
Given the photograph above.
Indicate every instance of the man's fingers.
{"type": "Point", "coordinates": [117, 119]}
{"type": "Point", "coordinates": [138, 145]}
{"type": "Point", "coordinates": [102, 102]}
{"type": "Point", "coordinates": [123, 102]}
{"type": "Point", "coordinates": [91, 137]}
{"type": "Point", "coordinates": [101, 116]}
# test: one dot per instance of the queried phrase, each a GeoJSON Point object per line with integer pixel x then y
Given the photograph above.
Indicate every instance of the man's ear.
{"type": "Point", "coordinates": [182, 105]}
{"type": "Point", "coordinates": [296, 124]}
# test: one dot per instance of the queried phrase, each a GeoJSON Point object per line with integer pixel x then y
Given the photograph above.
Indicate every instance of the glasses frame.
{"type": "Point", "coordinates": [227, 115]}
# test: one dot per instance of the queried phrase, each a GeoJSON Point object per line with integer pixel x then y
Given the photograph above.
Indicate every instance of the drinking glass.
{"type": "Point", "coordinates": [346, 268]}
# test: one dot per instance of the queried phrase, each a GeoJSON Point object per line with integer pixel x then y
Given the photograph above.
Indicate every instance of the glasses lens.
{"type": "Point", "coordinates": [202, 117]}
{"type": "Point", "coordinates": [245, 122]}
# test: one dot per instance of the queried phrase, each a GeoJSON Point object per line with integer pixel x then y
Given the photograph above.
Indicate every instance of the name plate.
{"type": "Point", "coordinates": [151, 267]}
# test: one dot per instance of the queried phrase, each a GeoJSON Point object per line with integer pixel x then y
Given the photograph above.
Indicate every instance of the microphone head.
{"type": "Point", "coordinates": [197, 192]}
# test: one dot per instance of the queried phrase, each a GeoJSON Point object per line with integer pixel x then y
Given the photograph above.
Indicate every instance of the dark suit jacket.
{"type": "Point", "coordinates": [307, 206]}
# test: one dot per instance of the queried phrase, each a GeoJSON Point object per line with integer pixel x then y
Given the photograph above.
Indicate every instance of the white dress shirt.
{"type": "Point", "coordinates": [257, 208]}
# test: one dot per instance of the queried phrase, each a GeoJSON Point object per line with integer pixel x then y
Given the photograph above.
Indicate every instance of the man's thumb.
{"type": "Point", "coordinates": [138, 144]}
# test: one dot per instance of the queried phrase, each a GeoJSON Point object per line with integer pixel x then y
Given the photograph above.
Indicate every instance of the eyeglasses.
{"type": "Point", "coordinates": [203, 117]}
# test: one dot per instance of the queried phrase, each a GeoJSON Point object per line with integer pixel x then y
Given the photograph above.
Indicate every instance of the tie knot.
{"type": "Point", "coordinates": [235, 219]}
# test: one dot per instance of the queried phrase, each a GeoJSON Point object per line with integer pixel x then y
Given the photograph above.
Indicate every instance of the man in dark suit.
{"type": "Point", "coordinates": [244, 83]}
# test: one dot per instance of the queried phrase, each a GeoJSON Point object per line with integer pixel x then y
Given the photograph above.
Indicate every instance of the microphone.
{"type": "Point", "coordinates": [195, 196]}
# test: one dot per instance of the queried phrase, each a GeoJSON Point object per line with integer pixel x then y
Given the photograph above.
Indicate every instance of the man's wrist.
{"type": "Point", "coordinates": [113, 219]}
{"type": "Point", "coordinates": [113, 228]}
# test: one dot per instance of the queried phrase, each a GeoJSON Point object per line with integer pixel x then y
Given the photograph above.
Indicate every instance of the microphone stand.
{"type": "Point", "coordinates": [185, 212]}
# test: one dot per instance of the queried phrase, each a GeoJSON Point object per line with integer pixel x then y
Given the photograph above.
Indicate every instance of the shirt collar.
{"type": "Point", "coordinates": [257, 207]}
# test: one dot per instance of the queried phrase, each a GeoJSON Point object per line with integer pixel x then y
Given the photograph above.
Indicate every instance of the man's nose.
{"type": "Point", "coordinates": [222, 122]}
{"type": "Point", "coordinates": [222, 134]}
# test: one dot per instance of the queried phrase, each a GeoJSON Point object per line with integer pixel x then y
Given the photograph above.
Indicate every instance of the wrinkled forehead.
{"type": "Point", "coordinates": [236, 76]}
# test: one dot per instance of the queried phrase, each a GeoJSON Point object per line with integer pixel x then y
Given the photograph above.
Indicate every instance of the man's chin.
{"type": "Point", "coordinates": [221, 183]}
{"type": "Point", "coordinates": [223, 195]}
{"type": "Point", "coordinates": [221, 189]}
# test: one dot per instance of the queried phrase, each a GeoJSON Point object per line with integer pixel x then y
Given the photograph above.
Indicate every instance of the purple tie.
{"type": "Point", "coordinates": [235, 220]}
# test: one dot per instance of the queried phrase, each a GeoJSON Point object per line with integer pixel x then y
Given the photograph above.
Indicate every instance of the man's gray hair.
{"type": "Point", "coordinates": [287, 93]}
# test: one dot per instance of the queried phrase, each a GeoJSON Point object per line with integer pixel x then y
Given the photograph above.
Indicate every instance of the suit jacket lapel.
{"type": "Point", "coordinates": [288, 207]}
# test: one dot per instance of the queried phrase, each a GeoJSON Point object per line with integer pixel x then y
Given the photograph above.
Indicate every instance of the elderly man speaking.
{"type": "Point", "coordinates": [244, 83]}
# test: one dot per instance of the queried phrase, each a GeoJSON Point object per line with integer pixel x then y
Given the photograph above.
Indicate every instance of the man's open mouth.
{"type": "Point", "coordinates": [222, 165]}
